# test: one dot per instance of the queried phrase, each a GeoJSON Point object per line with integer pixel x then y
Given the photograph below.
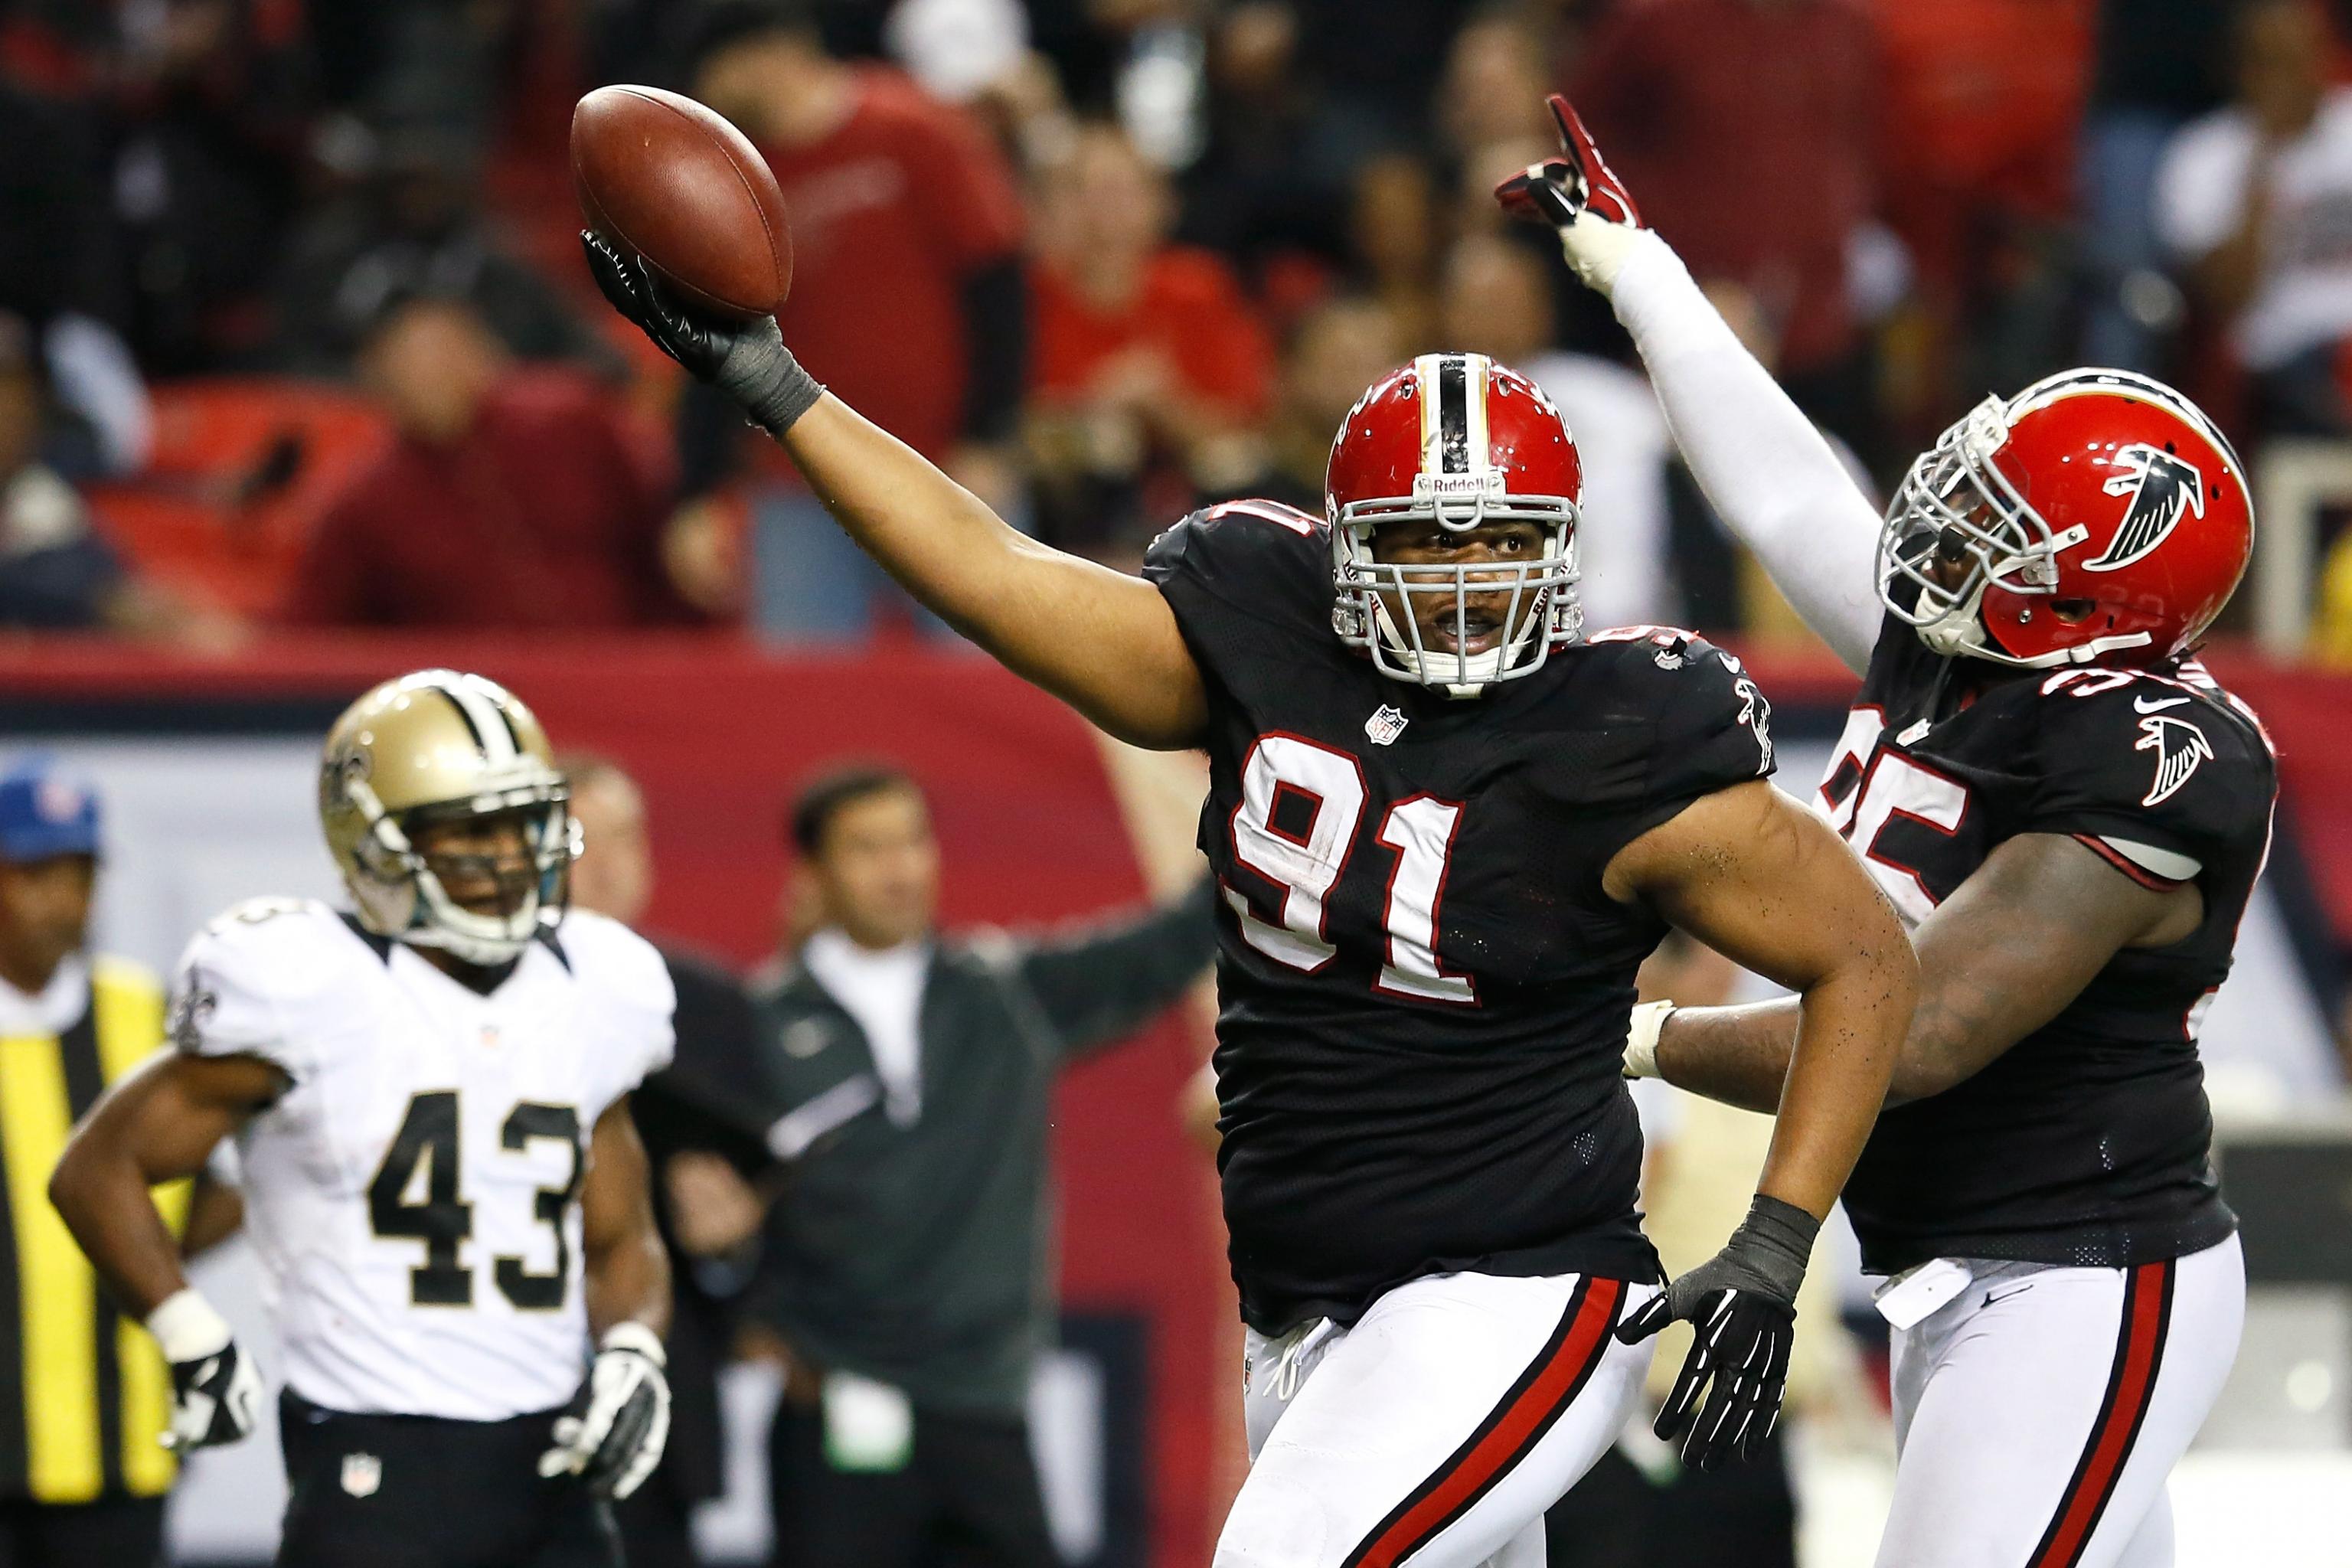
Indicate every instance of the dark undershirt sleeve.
{"type": "Point", "coordinates": [996, 329]}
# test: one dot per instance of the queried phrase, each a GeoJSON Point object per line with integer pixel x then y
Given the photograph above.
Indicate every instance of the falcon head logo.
{"type": "Point", "coordinates": [2164, 488]}
{"type": "Point", "coordinates": [2179, 745]}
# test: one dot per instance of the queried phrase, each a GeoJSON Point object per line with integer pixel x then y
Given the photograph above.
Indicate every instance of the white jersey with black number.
{"type": "Point", "coordinates": [414, 1196]}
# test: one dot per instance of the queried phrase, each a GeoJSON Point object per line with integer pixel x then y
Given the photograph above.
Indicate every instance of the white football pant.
{"type": "Point", "coordinates": [1436, 1430]}
{"type": "Point", "coordinates": [2038, 1412]}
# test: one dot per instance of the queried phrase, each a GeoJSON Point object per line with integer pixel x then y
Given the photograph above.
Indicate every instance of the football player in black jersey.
{"type": "Point", "coordinates": [1448, 829]}
{"type": "Point", "coordinates": [2070, 815]}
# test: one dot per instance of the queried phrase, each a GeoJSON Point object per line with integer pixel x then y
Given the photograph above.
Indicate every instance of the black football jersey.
{"type": "Point", "coordinates": [1423, 989]}
{"type": "Point", "coordinates": [2087, 1143]}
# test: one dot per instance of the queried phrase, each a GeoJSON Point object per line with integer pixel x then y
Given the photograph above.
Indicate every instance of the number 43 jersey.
{"type": "Point", "coordinates": [414, 1196]}
{"type": "Point", "coordinates": [2085, 1143]}
{"type": "Point", "coordinates": [1423, 987]}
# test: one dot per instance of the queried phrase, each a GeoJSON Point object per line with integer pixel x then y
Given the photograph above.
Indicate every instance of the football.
{"type": "Point", "coordinates": [667, 177]}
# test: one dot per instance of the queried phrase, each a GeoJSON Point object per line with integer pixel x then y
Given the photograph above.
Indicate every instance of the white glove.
{"type": "Point", "coordinates": [215, 1387]}
{"type": "Point", "coordinates": [1596, 250]}
{"type": "Point", "coordinates": [613, 1432]}
{"type": "Point", "coordinates": [1642, 1039]}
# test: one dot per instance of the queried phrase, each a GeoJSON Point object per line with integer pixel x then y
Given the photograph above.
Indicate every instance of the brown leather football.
{"type": "Point", "coordinates": [661, 175]}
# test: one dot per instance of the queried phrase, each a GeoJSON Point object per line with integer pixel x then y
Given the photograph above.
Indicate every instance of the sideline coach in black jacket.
{"type": "Point", "coordinates": [906, 1270]}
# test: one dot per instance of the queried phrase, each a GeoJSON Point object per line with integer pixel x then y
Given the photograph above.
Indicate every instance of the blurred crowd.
{"type": "Point", "coordinates": [293, 327]}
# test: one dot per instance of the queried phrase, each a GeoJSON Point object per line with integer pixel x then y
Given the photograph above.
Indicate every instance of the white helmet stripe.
{"type": "Point", "coordinates": [1474, 412]}
{"type": "Point", "coordinates": [490, 729]}
{"type": "Point", "coordinates": [1425, 372]}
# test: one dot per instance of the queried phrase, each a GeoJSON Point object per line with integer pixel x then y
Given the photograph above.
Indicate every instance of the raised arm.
{"type": "Point", "coordinates": [1999, 959]}
{"type": "Point", "coordinates": [1103, 642]}
{"type": "Point", "coordinates": [1768, 473]}
{"type": "Point", "coordinates": [1765, 882]}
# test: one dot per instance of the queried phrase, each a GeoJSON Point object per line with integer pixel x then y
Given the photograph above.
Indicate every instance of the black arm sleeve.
{"type": "Point", "coordinates": [710, 440]}
{"type": "Point", "coordinates": [996, 327]}
{"type": "Point", "coordinates": [1099, 986]}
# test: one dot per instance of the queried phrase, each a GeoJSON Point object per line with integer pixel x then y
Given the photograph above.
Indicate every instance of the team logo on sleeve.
{"type": "Point", "coordinates": [192, 1009]}
{"type": "Point", "coordinates": [2164, 488]}
{"type": "Point", "coordinates": [1754, 710]}
{"type": "Point", "coordinates": [2179, 745]}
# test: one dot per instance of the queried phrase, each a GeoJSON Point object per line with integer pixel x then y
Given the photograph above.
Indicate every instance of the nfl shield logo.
{"type": "Point", "coordinates": [1386, 725]}
{"type": "Point", "coordinates": [362, 1473]}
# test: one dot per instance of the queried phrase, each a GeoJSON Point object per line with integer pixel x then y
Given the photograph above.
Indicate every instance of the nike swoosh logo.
{"type": "Point", "coordinates": [2142, 705]}
{"type": "Point", "coordinates": [1990, 1299]}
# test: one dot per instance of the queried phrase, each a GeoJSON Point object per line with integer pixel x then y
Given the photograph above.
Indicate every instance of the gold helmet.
{"type": "Point", "coordinates": [433, 746]}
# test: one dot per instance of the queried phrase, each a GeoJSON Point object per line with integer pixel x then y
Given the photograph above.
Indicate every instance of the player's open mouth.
{"type": "Point", "coordinates": [1481, 634]}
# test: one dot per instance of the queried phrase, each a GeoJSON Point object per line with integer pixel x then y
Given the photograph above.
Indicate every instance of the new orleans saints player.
{"type": "Point", "coordinates": [2071, 814]}
{"type": "Point", "coordinates": [1447, 828]}
{"type": "Point", "coordinates": [428, 1093]}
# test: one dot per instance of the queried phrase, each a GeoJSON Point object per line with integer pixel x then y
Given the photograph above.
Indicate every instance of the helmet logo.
{"type": "Point", "coordinates": [2164, 488]}
{"type": "Point", "coordinates": [2179, 745]}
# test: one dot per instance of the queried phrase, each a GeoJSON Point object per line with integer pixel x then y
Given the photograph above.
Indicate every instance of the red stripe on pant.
{"type": "Point", "coordinates": [2139, 1355]}
{"type": "Point", "coordinates": [1533, 1403]}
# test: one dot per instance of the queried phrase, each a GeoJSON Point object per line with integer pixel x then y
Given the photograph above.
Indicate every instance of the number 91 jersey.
{"type": "Point", "coordinates": [1422, 986]}
{"type": "Point", "coordinates": [412, 1196]}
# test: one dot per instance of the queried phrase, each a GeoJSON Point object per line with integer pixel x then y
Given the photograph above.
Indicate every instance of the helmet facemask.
{"type": "Point", "coordinates": [401, 892]}
{"type": "Point", "coordinates": [1541, 611]}
{"type": "Point", "coordinates": [1959, 526]}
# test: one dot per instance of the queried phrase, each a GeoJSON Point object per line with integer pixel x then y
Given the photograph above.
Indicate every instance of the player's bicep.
{"type": "Point", "coordinates": [1101, 641]}
{"type": "Point", "coordinates": [169, 1114]}
{"type": "Point", "coordinates": [1108, 645]}
{"type": "Point", "coordinates": [1765, 882]}
{"type": "Point", "coordinates": [2012, 946]}
{"type": "Point", "coordinates": [617, 1200]}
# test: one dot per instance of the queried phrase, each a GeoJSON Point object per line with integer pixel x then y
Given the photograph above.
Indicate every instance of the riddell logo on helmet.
{"type": "Point", "coordinates": [1457, 486]}
{"type": "Point", "coordinates": [2164, 488]}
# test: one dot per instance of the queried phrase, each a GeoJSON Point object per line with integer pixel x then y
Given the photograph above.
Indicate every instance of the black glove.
{"type": "Point", "coordinates": [1743, 1304]}
{"type": "Point", "coordinates": [746, 360]}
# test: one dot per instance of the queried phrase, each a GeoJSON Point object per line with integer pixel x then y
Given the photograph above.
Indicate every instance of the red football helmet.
{"type": "Point", "coordinates": [1461, 439]}
{"type": "Point", "coordinates": [2098, 514]}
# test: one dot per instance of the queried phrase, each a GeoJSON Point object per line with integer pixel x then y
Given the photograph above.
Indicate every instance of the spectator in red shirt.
{"type": "Point", "coordinates": [1749, 127]}
{"type": "Point", "coordinates": [508, 498]}
{"type": "Point", "coordinates": [1979, 155]}
{"type": "Point", "coordinates": [907, 295]}
{"type": "Point", "coordinates": [1149, 360]}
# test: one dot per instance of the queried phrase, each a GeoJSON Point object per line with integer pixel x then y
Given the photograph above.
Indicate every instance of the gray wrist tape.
{"type": "Point", "coordinates": [1775, 1241]}
{"type": "Point", "coordinates": [761, 374]}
